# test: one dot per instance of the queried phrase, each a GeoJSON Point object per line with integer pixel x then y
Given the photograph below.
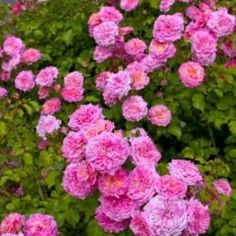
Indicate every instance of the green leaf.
{"type": "Point", "coordinates": [3, 129]}
{"type": "Point", "coordinates": [232, 127]}
{"type": "Point", "coordinates": [198, 101]}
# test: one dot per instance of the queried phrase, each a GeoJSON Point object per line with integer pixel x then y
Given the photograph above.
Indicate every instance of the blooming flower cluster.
{"type": "Point", "coordinates": [37, 224]}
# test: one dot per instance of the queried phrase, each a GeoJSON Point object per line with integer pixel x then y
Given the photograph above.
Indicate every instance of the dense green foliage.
{"type": "Point", "coordinates": [203, 126]}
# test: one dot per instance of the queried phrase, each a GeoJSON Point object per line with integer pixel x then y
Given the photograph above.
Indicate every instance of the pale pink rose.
{"type": "Point", "coordinates": [47, 125]}
{"type": "Point", "coordinates": [186, 171]}
{"type": "Point", "coordinates": [13, 46]}
{"type": "Point", "coordinates": [105, 33]}
{"type": "Point", "coordinates": [72, 93]}
{"type": "Point", "coordinates": [73, 146]}
{"type": "Point", "coordinates": [138, 75]}
{"type": "Point", "coordinates": [51, 106]}
{"type": "Point", "coordinates": [165, 5]}
{"type": "Point", "coordinates": [93, 21]}
{"type": "Point", "coordinates": [221, 22]}
{"type": "Point", "coordinates": [30, 56]}
{"type": "Point", "coordinates": [74, 78]}
{"type": "Point", "coordinates": [118, 209]}
{"type": "Point", "coordinates": [142, 181]}
{"type": "Point", "coordinates": [118, 86]}
{"type": "Point", "coordinates": [166, 216]}
{"type": "Point", "coordinates": [191, 74]}
{"type": "Point", "coordinates": [170, 187]}
{"type": "Point", "coordinates": [203, 53]}
{"type": "Point", "coordinates": [162, 51]}
{"type": "Point", "coordinates": [139, 225]}
{"type": "Point", "coordinates": [190, 29]}
{"type": "Point", "coordinates": [98, 127]}
{"type": "Point", "coordinates": [113, 185]}
{"type": "Point", "coordinates": [24, 81]}
{"type": "Point", "coordinates": [12, 223]}
{"type": "Point", "coordinates": [107, 152]}
{"type": "Point", "coordinates": [109, 225]}
{"type": "Point", "coordinates": [101, 80]}
{"type": "Point", "coordinates": [134, 108]}
{"type": "Point", "coordinates": [135, 46]}
{"type": "Point", "coordinates": [11, 64]}
{"type": "Point", "coordinates": [85, 116]}
{"type": "Point", "coordinates": [3, 93]}
{"type": "Point", "coordinates": [159, 115]}
{"type": "Point", "coordinates": [40, 224]}
{"type": "Point", "coordinates": [79, 180]}
{"type": "Point", "coordinates": [151, 63]}
{"type": "Point", "coordinates": [198, 217]}
{"type": "Point", "coordinates": [46, 76]}
{"type": "Point", "coordinates": [143, 150]}
{"type": "Point", "coordinates": [102, 53]}
{"type": "Point", "coordinates": [129, 5]}
{"type": "Point", "coordinates": [107, 13]}
{"type": "Point", "coordinates": [168, 28]}
{"type": "Point", "coordinates": [223, 187]}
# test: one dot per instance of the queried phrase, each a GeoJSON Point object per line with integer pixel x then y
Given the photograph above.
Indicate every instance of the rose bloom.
{"type": "Point", "coordinates": [40, 224]}
{"type": "Point", "coordinates": [11, 64]}
{"type": "Point", "coordinates": [223, 187]}
{"type": "Point", "coordinates": [12, 223]}
{"type": "Point", "coordinates": [101, 80]}
{"type": "Point", "coordinates": [191, 74]}
{"type": "Point", "coordinates": [98, 127]}
{"type": "Point", "coordinates": [190, 29]}
{"type": "Point", "coordinates": [170, 187]}
{"type": "Point", "coordinates": [151, 63]}
{"type": "Point", "coordinates": [93, 21]}
{"type": "Point", "coordinates": [228, 49]}
{"type": "Point", "coordinates": [47, 125]}
{"type": "Point", "coordinates": [73, 147]}
{"type": "Point", "coordinates": [3, 93]}
{"type": "Point", "coordinates": [13, 46]}
{"type": "Point", "coordinates": [51, 106]}
{"type": "Point", "coordinates": [138, 75]}
{"type": "Point", "coordinates": [142, 182]}
{"type": "Point", "coordinates": [43, 92]}
{"type": "Point", "coordinates": [72, 93]}
{"type": "Point", "coordinates": [144, 151]}
{"type": "Point", "coordinates": [165, 5]}
{"type": "Point", "coordinates": [113, 185]}
{"type": "Point", "coordinates": [135, 46]}
{"type": "Point", "coordinates": [30, 56]}
{"type": "Point", "coordinates": [140, 225]}
{"type": "Point", "coordinates": [204, 53]}
{"type": "Point", "coordinates": [198, 217]}
{"type": "Point", "coordinates": [110, 14]}
{"type": "Point", "coordinates": [105, 33]}
{"type": "Point", "coordinates": [230, 64]}
{"type": "Point", "coordinates": [166, 216]}
{"type": "Point", "coordinates": [118, 209]}
{"type": "Point", "coordinates": [5, 75]}
{"type": "Point", "coordinates": [168, 28]}
{"type": "Point", "coordinates": [123, 31]}
{"type": "Point", "coordinates": [74, 79]}
{"type": "Point", "coordinates": [79, 180]}
{"type": "Point", "coordinates": [46, 76]}
{"type": "Point", "coordinates": [25, 81]}
{"type": "Point", "coordinates": [128, 5]}
{"type": "Point", "coordinates": [159, 115]}
{"type": "Point", "coordinates": [221, 22]}
{"type": "Point", "coordinates": [134, 108]}
{"type": "Point", "coordinates": [107, 152]}
{"type": "Point", "coordinates": [108, 224]}
{"type": "Point", "coordinates": [118, 86]}
{"type": "Point", "coordinates": [162, 51]}
{"type": "Point", "coordinates": [185, 171]}
{"type": "Point", "coordinates": [85, 116]}
{"type": "Point", "coordinates": [102, 53]}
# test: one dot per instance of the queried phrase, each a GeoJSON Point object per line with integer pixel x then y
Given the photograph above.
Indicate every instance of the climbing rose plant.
{"type": "Point", "coordinates": [121, 166]}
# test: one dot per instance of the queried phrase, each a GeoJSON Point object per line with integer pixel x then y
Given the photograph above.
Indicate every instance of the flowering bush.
{"type": "Point", "coordinates": [75, 87]}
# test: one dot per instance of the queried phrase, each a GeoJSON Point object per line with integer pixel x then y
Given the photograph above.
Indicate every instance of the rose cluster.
{"type": "Point", "coordinates": [37, 224]}
{"type": "Point", "coordinates": [142, 199]}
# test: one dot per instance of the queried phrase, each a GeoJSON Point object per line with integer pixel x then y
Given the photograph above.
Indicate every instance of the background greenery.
{"type": "Point", "coordinates": [203, 126]}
